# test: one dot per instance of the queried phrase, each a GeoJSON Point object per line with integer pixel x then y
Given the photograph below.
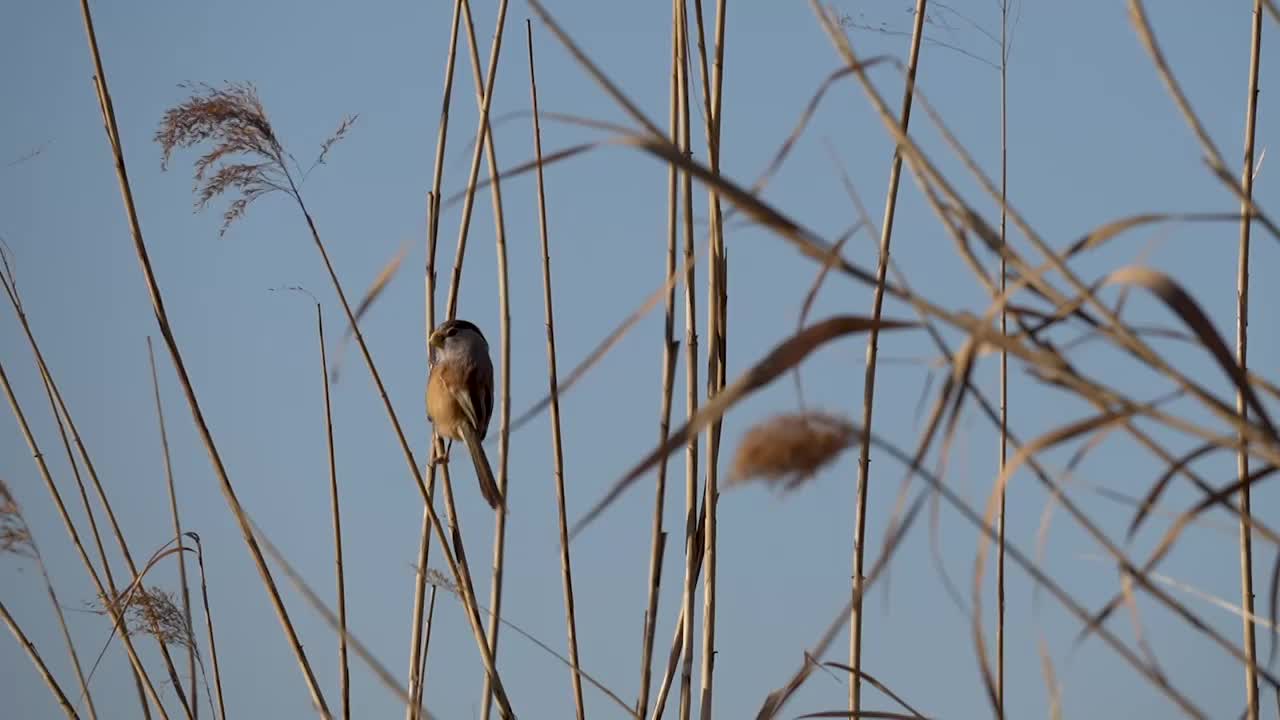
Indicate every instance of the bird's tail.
{"type": "Point", "coordinates": [484, 472]}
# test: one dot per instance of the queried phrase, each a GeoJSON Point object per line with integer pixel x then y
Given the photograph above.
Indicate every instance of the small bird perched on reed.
{"type": "Point", "coordinates": [460, 395]}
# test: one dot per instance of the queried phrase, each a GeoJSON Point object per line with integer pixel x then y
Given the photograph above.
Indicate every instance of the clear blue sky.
{"type": "Point", "coordinates": [1093, 136]}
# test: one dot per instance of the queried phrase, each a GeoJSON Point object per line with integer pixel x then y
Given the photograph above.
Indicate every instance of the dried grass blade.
{"type": "Point", "coordinates": [1050, 681]}
{"type": "Point", "coordinates": [782, 358]}
{"type": "Point", "coordinates": [601, 349]}
{"type": "Point", "coordinates": [879, 686]}
{"type": "Point", "coordinates": [1153, 496]}
{"type": "Point", "coordinates": [522, 169]}
{"type": "Point", "coordinates": [1181, 303]}
{"type": "Point", "coordinates": [877, 714]}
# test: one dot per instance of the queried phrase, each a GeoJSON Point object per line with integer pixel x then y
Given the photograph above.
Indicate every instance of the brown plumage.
{"type": "Point", "coordinates": [460, 395]}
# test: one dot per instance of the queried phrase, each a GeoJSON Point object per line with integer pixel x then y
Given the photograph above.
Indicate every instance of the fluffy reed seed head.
{"type": "Point", "coordinates": [153, 611]}
{"type": "Point", "coordinates": [791, 447]}
{"type": "Point", "coordinates": [233, 120]}
{"type": "Point", "coordinates": [15, 537]}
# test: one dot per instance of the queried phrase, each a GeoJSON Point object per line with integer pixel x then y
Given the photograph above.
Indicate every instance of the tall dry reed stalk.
{"type": "Point", "coordinates": [504, 395]}
{"type": "Point", "coordinates": [717, 319]}
{"type": "Point", "coordinates": [1004, 356]}
{"type": "Point", "coordinates": [869, 375]}
{"type": "Point", "coordinates": [553, 409]}
{"type": "Point", "coordinates": [419, 642]}
{"type": "Point", "coordinates": [658, 540]}
{"type": "Point", "coordinates": [692, 547]}
{"type": "Point", "coordinates": [194, 699]}
{"type": "Point", "coordinates": [1242, 357]}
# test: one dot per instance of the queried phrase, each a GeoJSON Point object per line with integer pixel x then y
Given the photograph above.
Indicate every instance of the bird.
{"type": "Point", "coordinates": [460, 395]}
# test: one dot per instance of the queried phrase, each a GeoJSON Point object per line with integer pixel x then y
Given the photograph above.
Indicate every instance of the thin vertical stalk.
{"type": "Point", "coordinates": [66, 633]}
{"type": "Point", "coordinates": [43, 669]}
{"type": "Point", "coordinates": [869, 378]}
{"type": "Point", "coordinates": [554, 408]}
{"type": "Point", "coordinates": [717, 314]}
{"type": "Point", "coordinates": [177, 530]}
{"type": "Point", "coordinates": [504, 421]}
{"type": "Point", "coordinates": [1242, 346]}
{"type": "Point", "coordinates": [482, 134]}
{"type": "Point", "coordinates": [208, 622]}
{"type": "Point", "coordinates": [162, 319]}
{"type": "Point", "coordinates": [677, 641]}
{"type": "Point", "coordinates": [344, 672]}
{"type": "Point", "coordinates": [108, 600]}
{"type": "Point", "coordinates": [426, 642]}
{"type": "Point", "coordinates": [669, 361]}
{"type": "Point", "coordinates": [691, 364]}
{"type": "Point", "coordinates": [658, 542]}
{"type": "Point", "coordinates": [418, 639]}
{"type": "Point", "coordinates": [1004, 355]}
{"type": "Point", "coordinates": [417, 643]}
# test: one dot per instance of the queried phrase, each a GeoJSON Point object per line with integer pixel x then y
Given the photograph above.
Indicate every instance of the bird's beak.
{"type": "Point", "coordinates": [435, 340]}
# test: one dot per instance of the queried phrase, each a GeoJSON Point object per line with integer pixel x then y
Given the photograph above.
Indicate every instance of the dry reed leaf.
{"type": "Point", "coordinates": [791, 447]}
{"type": "Point", "coordinates": [878, 685]}
{"type": "Point", "coordinates": [783, 357]}
{"type": "Point", "coordinates": [1181, 303]}
{"type": "Point", "coordinates": [1221, 496]}
{"type": "Point", "coordinates": [521, 169]}
{"type": "Point", "coordinates": [1050, 680]}
{"type": "Point", "coordinates": [876, 714]}
{"type": "Point", "coordinates": [598, 353]}
{"type": "Point", "coordinates": [1105, 233]}
{"type": "Point", "coordinates": [1157, 489]}
{"type": "Point", "coordinates": [803, 122]}
{"type": "Point", "coordinates": [379, 284]}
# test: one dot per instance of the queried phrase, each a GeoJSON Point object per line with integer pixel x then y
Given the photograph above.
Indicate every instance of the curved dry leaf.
{"type": "Point", "coordinates": [1186, 308]}
{"type": "Point", "coordinates": [379, 284]}
{"type": "Point", "coordinates": [876, 714]}
{"type": "Point", "coordinates": [563, 386]}
{"type": "Point", "coordinates": [1106, 233]}
{"type": "Point", "coordinates": [1153, 496]}
{"type": "Point", "coordinates": [775, 701]}
{"type": "Point", "coordinates": [878, 685]}
{"type": "Point", "coordinates": [522, 168]}
{"type": "Point", "coordinates": [783, 357]}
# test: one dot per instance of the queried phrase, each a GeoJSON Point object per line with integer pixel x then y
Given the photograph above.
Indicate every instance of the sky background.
{"type": "Point", "coordinates": [1093, 136]}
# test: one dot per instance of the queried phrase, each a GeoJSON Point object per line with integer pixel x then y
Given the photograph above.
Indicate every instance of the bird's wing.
{"type": "Point", "coordinates": [477, 404]}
